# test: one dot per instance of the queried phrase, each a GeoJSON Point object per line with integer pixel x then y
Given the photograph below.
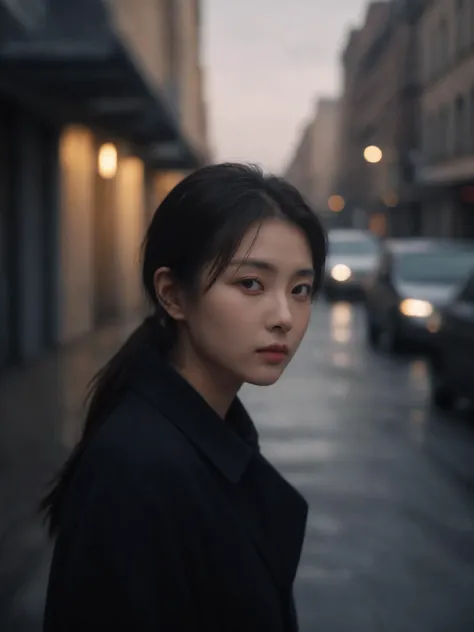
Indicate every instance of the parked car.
{"type": "Point", "coordinates": [353, 256]}
{"type": "Point", "coordinates": [416, 277]}
{"type": "Point", "coordinates": [452, 364]}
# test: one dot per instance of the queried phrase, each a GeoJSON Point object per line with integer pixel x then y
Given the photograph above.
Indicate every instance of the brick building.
{"type": "Point", "coordinates": [379, 107]}
{"type": "Point", "coordinates": [446, 169]}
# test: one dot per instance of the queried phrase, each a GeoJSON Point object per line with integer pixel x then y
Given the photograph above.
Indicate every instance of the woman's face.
{"type": "Point", "coordinates": [250, 323]}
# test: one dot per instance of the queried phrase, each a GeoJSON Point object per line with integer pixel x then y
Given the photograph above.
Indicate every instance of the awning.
{"type": "Point", "coordinates": [19, 16]}
{"type": "Point", "coordinates": [75, 68]}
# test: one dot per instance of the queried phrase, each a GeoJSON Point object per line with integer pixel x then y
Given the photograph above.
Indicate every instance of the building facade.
{"type": "Point", "coordinates": [101, 112]}
{"type": "Point", "coordinates": [446, 169]}
{"type": "Point", "coordinates": [380, 109]}
{"type": "Point", "coordinates": [312, 166]}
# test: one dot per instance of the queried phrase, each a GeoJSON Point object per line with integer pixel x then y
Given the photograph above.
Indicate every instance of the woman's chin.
{"type": "Point", "coordinates": [266, 377]}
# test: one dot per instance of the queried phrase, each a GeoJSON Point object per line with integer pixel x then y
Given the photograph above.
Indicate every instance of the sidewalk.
{"type": "Point", "coordinates": [40, 419]}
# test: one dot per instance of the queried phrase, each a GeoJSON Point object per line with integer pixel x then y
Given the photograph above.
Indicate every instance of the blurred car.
{"type": "Point", "coordinates": [416, 277]}
{"type": "Point", "coordinates": [352, 258]}
{"type": "Point", "coordinates": [452, 364]}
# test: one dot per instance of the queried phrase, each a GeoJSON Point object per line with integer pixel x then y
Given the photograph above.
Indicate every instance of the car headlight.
{"type": "Point", "coordinates": [341, 272]}
{"type": "Point", "coordinates": [415, 308]}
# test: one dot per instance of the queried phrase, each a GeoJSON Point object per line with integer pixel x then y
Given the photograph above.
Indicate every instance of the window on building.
{"type": "Point", "coordinates": [460, 125]}
{"type": "Point", "coordinates": [425, 135]}
{"type": "Point", "coordinates": [459, 25]}
{"type": "Point", "coordinates": [443, 132]}
{"type": "Point", "coordinates": [462, 26]}
{"type": "Point", "coordinates": [429, 58]}
{"type": "Point", "coordinates": [471, 23]}
{"type": "Point", "coordinates": [471, 122]}
{"type": "Point", "coordinates": [172, 53]}
{"type": "Point", "coordinates": [428, 136]}
{"type": "Point", "coordinates": [437, 138]}
{"type": "Point", "coordinates": [433, 139]}
{"type": "Point", "coordinates": [442, 54]}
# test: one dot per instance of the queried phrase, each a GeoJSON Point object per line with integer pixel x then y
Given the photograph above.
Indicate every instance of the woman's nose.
{"type": "Point", "coordinates": [281, 316]}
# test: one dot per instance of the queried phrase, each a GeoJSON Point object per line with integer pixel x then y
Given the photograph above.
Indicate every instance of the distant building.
{"type": "Point", "coordinates": [312, 167]}
{"type": "Point", "coordinates": [101, 112]}
{"type": "Point", "coordinates": [379, 109]}
{"type": "Point", "coordinates": [446, 161]}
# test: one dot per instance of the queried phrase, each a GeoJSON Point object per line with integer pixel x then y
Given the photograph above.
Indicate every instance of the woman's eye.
{"type": "Point", "coordinates": [252, 285]}
{"type": "Point", "coordinates": [303, 290]}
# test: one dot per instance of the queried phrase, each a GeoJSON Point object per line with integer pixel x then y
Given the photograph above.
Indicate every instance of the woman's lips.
{"type": "Point", "coordinates": [274, 354]}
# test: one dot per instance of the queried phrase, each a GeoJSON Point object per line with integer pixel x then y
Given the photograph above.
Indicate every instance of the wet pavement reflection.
{"type": "Point", "coordinates": [390, 537]}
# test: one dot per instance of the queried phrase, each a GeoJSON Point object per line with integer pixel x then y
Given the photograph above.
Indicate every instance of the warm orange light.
{"type": "Point", "coordinates": [391, 200]}
{"type": "Point", "coordinates": [378, 224]}
{"type": "Point", "coordinates": [108, 161]}
{"type": "Point", "coordinates": [336, 203]}
{"type": "Point", "coordinates": [373, 154]}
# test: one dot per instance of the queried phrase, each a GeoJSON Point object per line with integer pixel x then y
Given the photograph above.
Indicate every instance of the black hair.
{"type": "Point", "coordinates": [201, 222]}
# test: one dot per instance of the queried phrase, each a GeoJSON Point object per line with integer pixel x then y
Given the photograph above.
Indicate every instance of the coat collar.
{"type": "Point", "coordinates": [272, 513]}
{"type": "Point", "coordinates": [229, 444]}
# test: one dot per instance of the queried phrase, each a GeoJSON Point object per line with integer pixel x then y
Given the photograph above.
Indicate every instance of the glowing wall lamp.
{"type": "Point", "coordinates": [107, 161]}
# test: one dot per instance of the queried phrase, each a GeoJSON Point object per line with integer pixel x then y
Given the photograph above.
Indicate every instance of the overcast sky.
{"type": "Point", "coordinates": [266, 62]}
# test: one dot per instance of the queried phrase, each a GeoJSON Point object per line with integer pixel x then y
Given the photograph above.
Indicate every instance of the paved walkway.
{"type": "Point", "coordinates": [41, 412]}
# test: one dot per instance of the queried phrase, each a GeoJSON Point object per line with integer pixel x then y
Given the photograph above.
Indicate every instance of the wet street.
{"type": "Point", "coordinates": [390, 539]}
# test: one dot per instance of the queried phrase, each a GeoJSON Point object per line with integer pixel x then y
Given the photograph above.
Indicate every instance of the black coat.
{"type": "Point", "coordinates": [175, 522]}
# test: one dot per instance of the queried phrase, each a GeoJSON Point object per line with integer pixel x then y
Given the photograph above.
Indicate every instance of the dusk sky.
{"type": "Point", "coordinates": [266, 62]}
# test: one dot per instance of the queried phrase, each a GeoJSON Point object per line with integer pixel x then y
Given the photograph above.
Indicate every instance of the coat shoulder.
{"type": "Point", "coordinates": [136, 445]}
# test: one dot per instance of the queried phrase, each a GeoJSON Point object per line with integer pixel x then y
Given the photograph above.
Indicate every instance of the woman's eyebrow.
{"type": "Point", "coordinates": [260, 264]}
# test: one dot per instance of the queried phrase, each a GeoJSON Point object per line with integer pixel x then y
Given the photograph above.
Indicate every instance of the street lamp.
{"type": "Point", "coordinates": [373, 154]}
{"type": "Point", "coordinates": [336, 203]}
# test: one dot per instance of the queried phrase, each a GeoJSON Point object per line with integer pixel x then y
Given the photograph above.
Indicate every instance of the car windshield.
{"type": "Point", "coordinates": [350, 247]}
{"type": "Point", "coordinates": [434, 267]}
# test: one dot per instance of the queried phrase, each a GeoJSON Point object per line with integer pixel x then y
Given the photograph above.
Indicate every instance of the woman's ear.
{"type": "Point", "coordinates": [168, 293]}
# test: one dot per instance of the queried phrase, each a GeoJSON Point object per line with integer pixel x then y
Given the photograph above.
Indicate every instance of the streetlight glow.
{"type": "Point", "coordinates": [336, 203]}
{"type": "Point", "coordinates": [373, 154]}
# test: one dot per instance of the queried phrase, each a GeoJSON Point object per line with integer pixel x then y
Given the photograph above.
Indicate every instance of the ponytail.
{"type": "Point", "coordinates": [105, 392]}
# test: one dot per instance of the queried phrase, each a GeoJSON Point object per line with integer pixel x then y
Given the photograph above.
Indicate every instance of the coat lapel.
{"type": "Point", "coordinates": [274, 515]}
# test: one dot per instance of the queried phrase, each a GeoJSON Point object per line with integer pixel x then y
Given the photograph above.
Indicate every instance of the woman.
{"type": "Point", "coordinates": [166, 516]}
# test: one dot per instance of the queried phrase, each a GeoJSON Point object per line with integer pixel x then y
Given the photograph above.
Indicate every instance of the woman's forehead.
{"type": "Point", "coordinates": [275, 239]}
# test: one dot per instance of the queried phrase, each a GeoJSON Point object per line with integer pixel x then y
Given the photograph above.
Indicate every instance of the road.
{"type": "Point", "coordinates": [390, 537]}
